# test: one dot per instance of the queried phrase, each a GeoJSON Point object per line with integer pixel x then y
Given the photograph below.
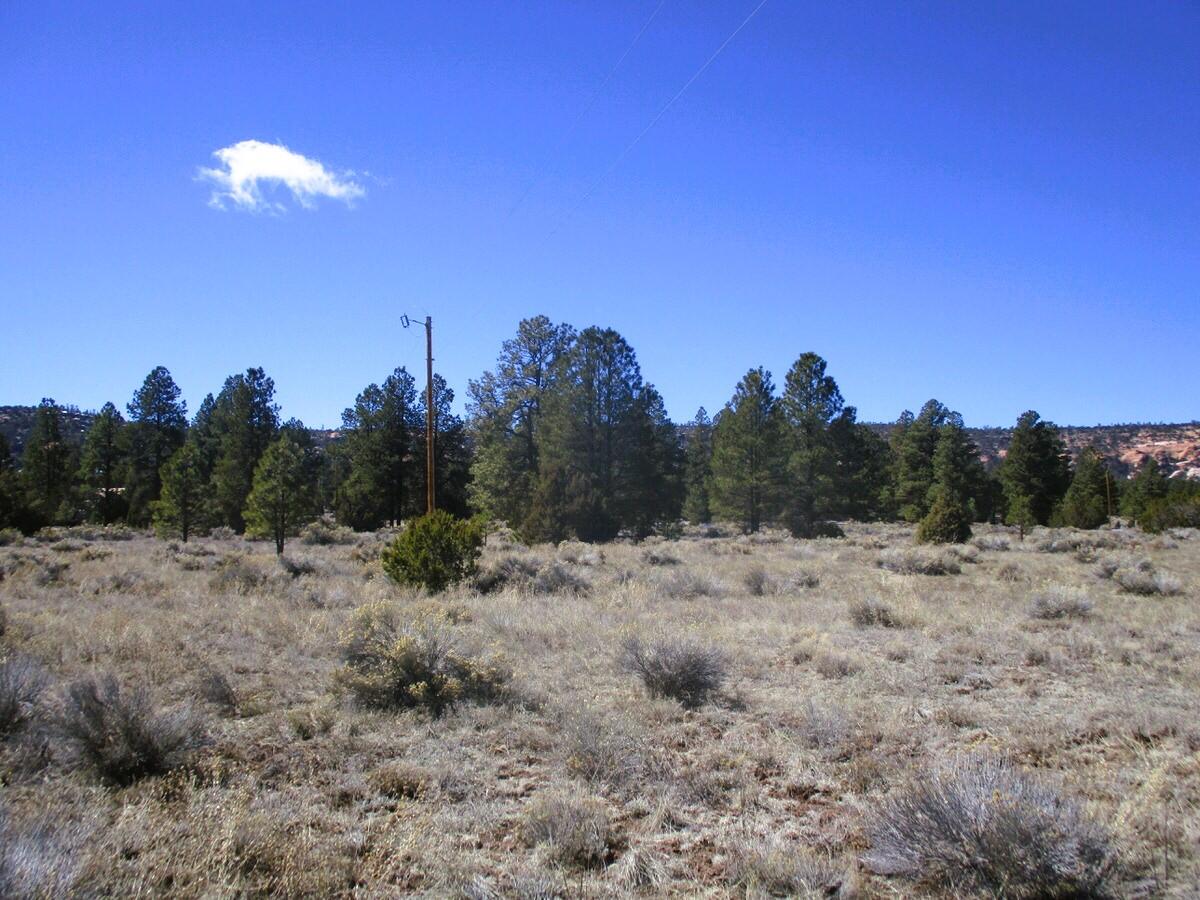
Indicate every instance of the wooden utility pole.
{"type": "Point", "coordinates": [429, 417]}
{"type": "Point", "coordinates": [430, 420]}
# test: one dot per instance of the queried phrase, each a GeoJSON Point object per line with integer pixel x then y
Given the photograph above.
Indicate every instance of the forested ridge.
{"type": "Point", "coordinates": [563, 438]}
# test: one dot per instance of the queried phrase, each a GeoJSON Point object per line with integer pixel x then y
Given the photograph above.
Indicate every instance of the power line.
{"type": "Point", "coordinates": [662, 112]}
{"type": "Point", "coordinates": [562, 141]}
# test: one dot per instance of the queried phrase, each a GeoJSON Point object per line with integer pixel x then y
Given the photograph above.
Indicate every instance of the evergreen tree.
{"type": "Point", "coordinates": [103, 464]}
{"type": "Point", "coordinates": [1035, 467]}
{"type": "Point", "coordinates": [158, 426]}
{"type": "Point", "coordinates": [281, 498]}
{"type": "Point", "coordinates": [1085, 504]}
{"type": "Point", "coordinates": [13, 511]}
{"type": "Point", "coordinates": [311, 456]}
{"type": "Point", "coordinates": [809, 404]}
{"type": "Point", "coordinates": [46, 466]}
{"type": "Point", "coordinates": [1147, 485]}
{"type": "Point", "coordinates": [1020, 513]}
{"type": "Point", "coordinates": [246, 420]}
{"type": "Point", "coordinates": [949, 519]}
{"type": "Point", "coordinates": [653, 472]}
{"type": "Point", "coordinates": [381, 481]}
{"type": "Point", "coordinates": [862, 482]}
{"type": "Point", "coordinates": [698, 469]}
{"type": "Point", "coordinates": [185, 506]}
{"type": "Point", "coordinates": [749, 454]}
{"type": "Point", "coordinates": [505, 410]}
{"type": "Point", "coordinates": [914, 441]}
{"type": "Point", "coordinates": [205, 435]}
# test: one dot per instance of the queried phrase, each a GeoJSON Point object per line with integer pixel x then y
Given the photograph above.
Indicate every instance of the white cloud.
{"type": "Point", "coordinates": [249, 166]}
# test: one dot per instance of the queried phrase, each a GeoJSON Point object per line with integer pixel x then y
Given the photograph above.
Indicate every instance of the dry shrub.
{"type": "Point", "coordinates": [653, 557]}
{"type": "Point", "coordinates": [401, 780]}
{"type": "Point", "coordinates": [236, 574]}
{"type": "Point", "coordinates": [871, 612]}
{"type": "Point", "coordinates": [993, 543]}
{"type": "Point", "coordinates": [298, 566]}
{"type": "Point", "coordinates": [393, 662]}
{"type": "Point", "coordinates": [121, 735]}
{"type": "Point", "coordinates": [214, 687]}
{"type": "Point", "coordinates": [639, 869]}
{"type": "Point", "coordinates": [770, 867]}
{"type": "Point", "coordinates": [802, 580]}
{"type": "Point", "coordinates": [326, 531]}
{"type": "Point", "coordinates": [680, 669]}
{"type": "Point", "coordinates": [981, 826]}
{"type": "Point", "coordinates": [605, 750]}
{"type": "Point", "coordinates": [917, 562]}
{"type": "Point", "coordinates": [507, 571]}
{"type": "Point", "coordinates": [10, 537]}
{"type": "Point", "coordinates": [1060, 602]}
{"type": "Point", "coordinates": [1134, 581]}
{"type": "Point", "coordinates": [687, 585]}
{"type": "Point", "coordinates": [554, 578]}
{"type": "Point", "coordinates": [574, 829]}
{"type": "Point", "coordinates": [835, 664]}
{"type": "Point", "coordinates": [22, 681]}
{"type": "Point", "coordinates": [1009, 572]}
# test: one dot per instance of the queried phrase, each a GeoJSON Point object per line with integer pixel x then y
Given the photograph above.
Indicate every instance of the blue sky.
{"type": "Point", "coordinates": [997, 206]}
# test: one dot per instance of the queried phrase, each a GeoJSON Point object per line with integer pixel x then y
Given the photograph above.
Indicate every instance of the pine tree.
{"type": "Point", "coordinates": [652, 477]}
{"type": "Point", "coordinates": [809, 404]}
{"type": "Point", "coordinates": [1147, 485]}
{"type": "Point", "coordinates": [185, 506]}
{"type": "Point", "coordinates": [46, 466]}
{"type": "Point", "coordinates": [749, 454]}
{"type": "Point", "coordinates": [281, 499]}
{"type": "Point", "coordinates": [1085, 504]}
{"type": "Point", "coordinates": [103, 465]}
{"type": "Point", "coordinates": [1020, 513]}
{"type": "Point", "coordinates": [862, 482]}
{"type": "Point", "coordinates": [914, 442]}
{"type": "Point", "coordinates": [948, 519]}
{"type": "Point", "coordinates": [505, 412]}
{"type": "Point", "coordinates": [698, 469]}
{"type": "Point", "coordinates": [1035, 467]}
{"type": "Point", "coordinates": [205, 435]}
{"type": "Point", "coordinates": [13, 511]}
{"type": "Point", "coordinates": [158, 426]}
{"type": "Point", "coordinates": [246, 419]}
{"type": "Point", "coordinates": [382, 480]}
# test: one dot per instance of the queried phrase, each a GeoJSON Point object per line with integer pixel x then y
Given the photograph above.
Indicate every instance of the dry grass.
{"type": "Point", "coordinates": [845, 684]}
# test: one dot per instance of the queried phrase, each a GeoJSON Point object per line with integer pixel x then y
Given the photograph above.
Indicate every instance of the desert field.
{"type": "Point", "coordinates": [835, 717]}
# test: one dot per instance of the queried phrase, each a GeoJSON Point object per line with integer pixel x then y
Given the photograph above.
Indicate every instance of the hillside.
{"type": "Point", "coordinates": [1176, 446]}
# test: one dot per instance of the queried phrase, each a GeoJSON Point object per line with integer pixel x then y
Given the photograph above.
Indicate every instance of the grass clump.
{"type": "Point", "coordinates": [435, 551]}
{"type": "Point", "coordinates": [679, 669]}
{"type": "Point", "coordinates": [22, 682]}
{"type": "Point", "coordinates": [980, 826]}
{"type": "Point", "coordinates": [120, 735]}
{"type": "Point", "coordinates": [1060, 603]}
{"type": "Point", "coordinates": [575, 830]}
{"type": "Point", "coordinates": [393, 663]}
{"type": "Point", "coordinates": [507, 571]}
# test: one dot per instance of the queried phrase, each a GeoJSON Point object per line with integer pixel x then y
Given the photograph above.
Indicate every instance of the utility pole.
{"type": "Point", "coordinates": [429, 417]}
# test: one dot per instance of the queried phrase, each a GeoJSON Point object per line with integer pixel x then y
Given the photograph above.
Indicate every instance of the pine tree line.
{"type": "Point", "coordinates": [564, 438]}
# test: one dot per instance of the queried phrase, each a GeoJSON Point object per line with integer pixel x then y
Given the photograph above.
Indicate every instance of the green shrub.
{"type": "Point", "coordinates": [435, 551]}
{"type": "Point", "coordinates": [946, 523]}
{"type": "Point", "coordinates": [393, 662]}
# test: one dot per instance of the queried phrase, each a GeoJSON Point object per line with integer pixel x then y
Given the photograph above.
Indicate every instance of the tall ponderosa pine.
{"type": "Point", "coordinates": [281, 499]}
{"type": "Point", "coordinates": [505, 408]}
{"type": "Point", "coordinates": [102, 467]}
{"type": "Point", "coordinates": [46, 466]}
{"type": "Point", "coordinates": [12, 504]}
{"type": "Point", "coordinates": [863, 480]}
{"type": "Point", "coordinates": [809, 404]}
{"type": "Point", "coordinates": [246, 421]}
{"type": "Point", "coordinates": [949, 517]}
{"type": "Point", "coordinates": [1148, 485]}
{"type": "Point", "coordinates": [1085, 504]}
{"type": "Point", "coordinates": [914, 441]}
{"type": "Point", "coordinates": [1036, 467]}
{"type": "Point", "coordinates": [185, 506]}
{"type": "Point", "coordinates": [158, 426]}
{"type": "Point", "coordinates": [381, 482]}
{"type": "Point", "coordinates": [749, 454]}
{"type": "Point", "coordinates": [654, 472]}
{"type": "Point", "coordinates": [698, 469]}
